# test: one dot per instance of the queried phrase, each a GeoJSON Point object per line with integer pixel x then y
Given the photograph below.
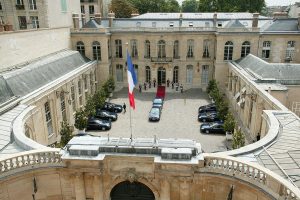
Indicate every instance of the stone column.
{"type": "Point", "coordinates": [79, 187]}
{"type": "Point", "coordinates": [184, 190]}
{"type": "Point", "coordinates": [165, 189]}
{"type": "Point", "coordinates": [98, 187]}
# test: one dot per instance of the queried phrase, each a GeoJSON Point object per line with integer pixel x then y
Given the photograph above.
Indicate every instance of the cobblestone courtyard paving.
{"type": "Point", "coordinates": [178, 119]}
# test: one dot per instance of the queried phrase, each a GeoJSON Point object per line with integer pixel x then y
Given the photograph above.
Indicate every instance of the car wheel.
{"type": "Point", "coordinates": [103, 128]}
{"type": "Point", "coordinates": [207, 131]}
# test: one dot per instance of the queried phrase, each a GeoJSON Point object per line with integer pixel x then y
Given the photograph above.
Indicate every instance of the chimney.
{"type": "Point", "coordinates": [111, 17]}
{"type": "Point", "coordinates": [280, 15]}
{"type": "Point", "coordinates": [98, 18]}
{"type": "Point", "coordinates": [255, 20]}
{"type": "Point", "coordinates": [180, 19]}
{"type": "Point", "coordinates": [83, 19]}
{"type": "Point", "coordinates": [215, 19]}
{"type": "Point", "coordinates": [75, 21]}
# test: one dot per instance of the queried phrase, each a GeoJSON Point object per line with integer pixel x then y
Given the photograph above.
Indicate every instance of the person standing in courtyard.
{"type": "Point", "coordinates": [124, 108]}
{"type": "Point", "coordinates": [149, 84]}
{"type": "Point", "coordinates": [181, 88]}
{"type": "Point", "coordinates": [140, 88]}
{"type": "Point", "coordinates": [168, 83]}
{"type": "Point", "coordinates": [154, 82]}
{"type": "Point", "coordinates": [145, 86]}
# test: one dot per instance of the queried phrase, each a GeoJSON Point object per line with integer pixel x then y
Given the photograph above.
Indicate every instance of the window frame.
{"type": "Point", "coordinates": [190, 48]}
{"type": "Point", "coordinates": [134, 48]}
{"type": "Point", "coordinates": [189, 74]}
{"type": "Point", "coordinates": [228, 51]}
{"type": "Point", "coordinates": [176, 49]}
{"type": "Point", "coordinates": [32, 4]}
{"type": "Point", "coordinates": [161, 49]}
{"type": "Point", "coordinates": [48, 117]}
{"type": "Point", "coordinates": [266, 49]}
{"type": "Point", "coordinates": [290, 50]}
{"type": "Point", "coordinates": [118, 46]}
{"type": "Point", "coordinates": [246, 48]}
{"type": "Point", "coordinates": [96, 46]}
{"type": "Point", "coordinates": [80, 47]}
{"type": "Point", "coordinates": [147, 49]}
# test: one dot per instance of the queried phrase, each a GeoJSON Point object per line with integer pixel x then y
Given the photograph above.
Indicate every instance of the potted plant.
{"type": "Point", "coordinates": [80, 120]}
{"type": "Point", "coordinates": [238, 140]}
{"type": "Point", "coordinates": [65, 134]}
{"type": "Point", "coordinates": [229, 125]}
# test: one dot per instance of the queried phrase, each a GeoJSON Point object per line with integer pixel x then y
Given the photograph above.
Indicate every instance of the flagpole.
{"type": "Point", "coordinates": [130, 123]}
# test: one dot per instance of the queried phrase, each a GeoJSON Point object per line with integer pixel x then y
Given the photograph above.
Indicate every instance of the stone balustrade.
{"type": "Point", "coordinates": [252, 173]}
{"type": "Point", "coordinates": [30, 160]}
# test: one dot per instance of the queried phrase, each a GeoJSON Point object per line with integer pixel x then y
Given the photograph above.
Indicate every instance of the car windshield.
{"type": "Point", "coordinates": [157, 101]}
{"type": "Point", "coordinates": [154, 111]}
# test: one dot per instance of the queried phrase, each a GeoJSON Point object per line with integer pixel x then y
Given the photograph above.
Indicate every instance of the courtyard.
{"type": "Point", "coordinates": [178, 118]}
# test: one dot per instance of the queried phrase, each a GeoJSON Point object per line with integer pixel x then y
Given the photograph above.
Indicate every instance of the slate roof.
{"type": "Point", "coordinates": [5, 91]}
{"type": "Point", "coordinates": [281, 25]}
{"type": "Point", "coordinates": [38, 73]}
{"type": "Point", "coordinates": [92, 24]}
{"type": "Point", "coordinates": [261, 69]}
{"type": "Point", "coordinates": [234, 24]}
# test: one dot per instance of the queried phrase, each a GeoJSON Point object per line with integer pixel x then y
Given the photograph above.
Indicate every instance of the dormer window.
{"type": "Point", "coordinates": [171, 24]}
{"type": "Point", "coordinates": [191, 24]}
{"type": "Point", "coordinates": [206, 24]}
{"type": "Point", "coordinates": [219, 24]}
{"type": "Point", "coordinates": [138, 24]}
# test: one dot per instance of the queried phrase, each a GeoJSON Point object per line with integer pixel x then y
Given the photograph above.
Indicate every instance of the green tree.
{"type": "Point", "coordinates": [80, 119]}
{"type": "Point", "coordinates": [229, 123]}
{"type": "Point", "coordinates": [238, 140]}
{"type": "Point", "coordinates": [122, 8]}
{"type": "Point", "coordinates": [65, 133]}
{"type": "Point", "coordinates": [99, 98]}
{"type": "Point", "coordinates": [171, 6]}
{"type": "Point", "coordinates": [190, 6]}
{"type": "Point", "coordinates": [90, 107]}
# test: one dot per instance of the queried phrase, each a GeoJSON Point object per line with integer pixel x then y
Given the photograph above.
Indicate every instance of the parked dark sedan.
{"type": "Point", "coordinates": [207, 106]}
{"type": "Point", "coordinates": [212, 128]}
{"type": "Point", "coordinates": [106, 115]}
{"type": "Point", "coordinates": [158, 102]}
{"type": "Point", "coordinates": [207, 109]}
{"type": "Point", "coordinates": [97, 124]}
{"type": "Point", "coordinates": [111, 107]}
{"type": "Point", "coordinates": [154, 114]}
{"type": "Point", "coordinates": [208, 117]}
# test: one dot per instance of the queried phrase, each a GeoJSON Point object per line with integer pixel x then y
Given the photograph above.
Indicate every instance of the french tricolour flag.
{"type": "Point", "coordinates": [132, 81]}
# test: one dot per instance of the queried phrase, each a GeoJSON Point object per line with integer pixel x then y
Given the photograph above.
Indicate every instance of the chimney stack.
{"type": "Point", "coordinates": [215, 19]}
{"type": "Point", "coordinates": [98, 18]}
{"type": "Point", "coordinates": [75, 21]}
{"type": "Point", "coordinates": [280, 15]}
{"type": "Point", "coordinates": [111, 17]}
{"type": "Point", "coordinates": [255, 20]}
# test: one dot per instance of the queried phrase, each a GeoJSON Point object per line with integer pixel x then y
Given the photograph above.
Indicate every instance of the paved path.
{"type": "Point", "coordinates": [178, 119]}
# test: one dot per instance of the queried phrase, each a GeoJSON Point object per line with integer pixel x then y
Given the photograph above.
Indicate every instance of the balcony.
{"type": "Point", "coordinates": [20, 7]}
{"type": "Point", "coordinates": [161, 60]}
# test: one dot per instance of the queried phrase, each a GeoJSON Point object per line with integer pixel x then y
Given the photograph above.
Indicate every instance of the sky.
{"type": "Point", "coordinates": [271, 2]}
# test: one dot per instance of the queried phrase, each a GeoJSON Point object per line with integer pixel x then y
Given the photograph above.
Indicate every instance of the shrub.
{"type": "Point", "coordinates": [238, 140]}
{"type": "Point", "coordinates": [65, 133]}
{"type": "Point", "coordinates": [90, 107]}
{"type": "Point", "coordinates": [80, 119]}
{"type": "Point", "coordinates": [229, 123]}
{"type": "Point", "coordinates": [212, 84]}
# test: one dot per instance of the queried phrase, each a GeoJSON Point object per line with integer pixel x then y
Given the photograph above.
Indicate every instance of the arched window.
{"type": "Point", "coordinates": [228, 50]}
{"type": "Point", "coordinates": [290, 51]}
{"type": "Point", "coordinates": [147, 49]}
{"type": "Point", "coordinates": [175, 74]}
{"type": "Point", "coordinates": [266, 50]}
{"type": "Point", "coordinates": [118, 44]}
{"type": "Point", "coordinates": [245, 49]}
{"type": "Point", "coordinates": [134, 49]}
{"type": "Point", "coordinates": [148, 74]}
{"type": "Point", "coordinates": [189, 74]}
{"type": "Point", "coordinates": [80, 48]}
{"type": "Point", "coordinates": [176, 49]}
{"type": "Point", "coordinates": [161, 49]}
{"type": "Point", "coordinates": [96, 50]}
{"type": "Point", "coordinates": [119, 73]}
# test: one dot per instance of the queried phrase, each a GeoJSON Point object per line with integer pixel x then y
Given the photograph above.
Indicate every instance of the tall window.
{"type": "Point", "coordinates": [266, 49]}
{"type": "Point", "coordinates": [245, 49]}
{"type": "Point", "coordinates": [19, 2]}
{"type": "Point", "coordinates": [148, 74]}
{"type": "Point", "coordinates": [108, 48]}
{"type": "Point", "coordinates": [80, 92]}
{"type": "Point", "coordinates": [228, 50]}
{"type": "Point", "coordinates": [119, 73]}
{"type": "Point", "coordinates": [63, 106]}
{"type": "Point", "coordinates": [176, 49]}
{"type": "Point", "coordinates": [92, 82]}
{"type": "Point", "coordinates": [118, 44]}
{"type": "Point", "coordinates": [175, 74]}
{"type": "Point", "coordinates": [161, 49]}
{"type": "Point", "coordinates": [63, 4]}
{"type": "Point", "coordinates": [205, 73]}
{"type": "Point", "coordinates": [73, 98]}
{"type": "Point", "coordinates": [206, 49]}
{"type": "Point", "coordinates": [134, 51]}
{"type": "Point", "coordinates": [22, 22]}
{"type": "Point", "coordinates": [0, 6]}
{"type": "Point", "coordinates": [82, 9]}
{"type": "Point", "coordinates": [48, 118]}
{"type": "Point", "coordinates": [32, 4]}
{"type": "Point", "coordinates": [91, 10]}
{"type": "Point", "coordinates": [136, 70]}
{"type": "Point", "coordinates": [190, 48]}
{"type": "Point", "coordinates": [80, 48]}
{"type": "Point", "coordinates": [290, 51]}
{"type": "Point", "coordinates": [96, 50]}
{"type": "Point", "coordinates": [85, 85]}
{"type": "Point", "coordinates": [35, 22]}
{"type": "Point", "coordinates": [189, 74]}
{"type": "Point", "coordinates": [147, 49]}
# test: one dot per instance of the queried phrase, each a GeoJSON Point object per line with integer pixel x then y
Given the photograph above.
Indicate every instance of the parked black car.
{"type": "Point", "coordinates": [212, 128]}
{"type": "Point", "coordinates": [207, 108]}
{"type": "Point", "coordinates": [208, 117]}
{"type": "Point", "coordinates": [154, 114]}
{"type": "Point", "coordinates": [158, 102]}
{"type": "Point", "coordinates": [112, 107]}
{"type": "Point", "coordinates": [97, 124]}
{"type": "Point", "coordinates": [106, 115]}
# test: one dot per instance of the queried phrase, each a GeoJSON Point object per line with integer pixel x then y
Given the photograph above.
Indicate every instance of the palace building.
{"type": "Point", "coordinates": [47, 73]}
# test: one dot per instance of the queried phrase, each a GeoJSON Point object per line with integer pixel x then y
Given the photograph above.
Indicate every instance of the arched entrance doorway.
{"type": "Point", "coordinates": [131, 191]}
{"type": "Point", "coordinates": [161, 76]}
